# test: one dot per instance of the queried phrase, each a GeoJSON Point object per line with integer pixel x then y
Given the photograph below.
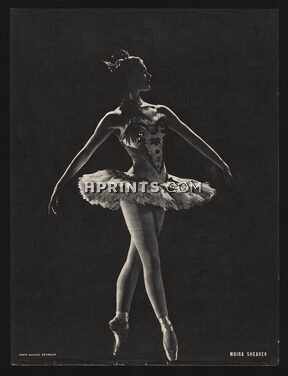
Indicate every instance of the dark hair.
{"type": "Point", "coordinates": [122, 63]}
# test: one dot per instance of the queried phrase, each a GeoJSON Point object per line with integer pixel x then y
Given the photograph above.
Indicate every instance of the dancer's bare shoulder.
{"type": "Point", "coordinates": [151, 105]}
{"type": "Point", "coordinates": [172, 120]}
{"type": "Point", "coordinates": [170, 115]}
{"type": "Point", "coordinates": [163, 109]}
{"type": "Point", "coordinates": [113, 119]}
{"type": "Point", "coordinates": [159, 108]}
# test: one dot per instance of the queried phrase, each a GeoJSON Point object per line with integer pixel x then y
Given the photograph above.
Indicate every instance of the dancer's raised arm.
{"type": "Point", "coordinates": [101, 133]}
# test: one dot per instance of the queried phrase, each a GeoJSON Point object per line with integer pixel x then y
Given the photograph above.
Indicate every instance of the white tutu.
{"type": "Point", "coordinates": [164, 197]}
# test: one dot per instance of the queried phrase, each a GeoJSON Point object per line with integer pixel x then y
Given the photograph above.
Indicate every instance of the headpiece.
{"type": "Point", "coordinates": [115, 63]}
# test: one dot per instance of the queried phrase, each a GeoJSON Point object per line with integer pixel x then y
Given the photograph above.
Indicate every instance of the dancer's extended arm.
{"type": "Point", "coordinates": [101, 133]}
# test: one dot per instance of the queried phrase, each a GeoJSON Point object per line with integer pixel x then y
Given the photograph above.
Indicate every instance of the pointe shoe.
{"type": "Point", "coordinates": [120, 330]}
{"type": "Point", "coordinates": [170, 342]}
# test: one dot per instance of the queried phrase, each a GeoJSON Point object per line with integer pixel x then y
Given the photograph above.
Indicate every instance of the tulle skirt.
{"type": "Point", "coordinates": [175, 193]}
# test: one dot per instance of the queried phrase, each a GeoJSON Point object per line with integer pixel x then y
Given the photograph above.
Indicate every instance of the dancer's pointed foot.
{"type": "Point", "coordinates": [170, 342]}
{"type": "Point", "coordinates": [120, 330]}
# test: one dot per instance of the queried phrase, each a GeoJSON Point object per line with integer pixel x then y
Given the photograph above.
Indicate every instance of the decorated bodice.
{"type": "Point", "coordinates": [143, 137]}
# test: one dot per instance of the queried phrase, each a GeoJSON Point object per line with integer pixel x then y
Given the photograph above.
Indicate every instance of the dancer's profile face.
{"type": "Point", "coordinates": [139, 78]}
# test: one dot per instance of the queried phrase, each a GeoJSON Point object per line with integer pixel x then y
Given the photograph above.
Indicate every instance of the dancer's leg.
{"type": "Point", "coordinates": [140, 222]}
{"type": "Point", "coordinates": [143, 224]}
{"type": "Point", "coordinates": [127, 280]}
{"type": "Point", "coordinates": [128, 277]}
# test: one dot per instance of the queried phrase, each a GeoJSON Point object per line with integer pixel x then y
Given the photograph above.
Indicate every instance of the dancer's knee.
{"type": "Point", "coordinates": [133, 263]}
{"type": "Point", "coordinates": [151, 263]}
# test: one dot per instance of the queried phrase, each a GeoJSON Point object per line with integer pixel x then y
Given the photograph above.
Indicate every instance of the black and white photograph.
{"type": "Point", "coordinates": [144, 187]}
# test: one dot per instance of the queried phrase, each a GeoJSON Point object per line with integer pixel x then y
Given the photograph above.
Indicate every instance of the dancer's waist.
{"type": "Point", "coordinates": [149, 172]}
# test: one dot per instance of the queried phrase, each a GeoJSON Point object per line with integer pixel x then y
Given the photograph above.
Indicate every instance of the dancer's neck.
{"type": "Point", "coordinates": [133, 98]}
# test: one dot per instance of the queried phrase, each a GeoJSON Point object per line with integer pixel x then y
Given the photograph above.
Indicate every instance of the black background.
{"type": "Point", "coordinates": [217, 69]}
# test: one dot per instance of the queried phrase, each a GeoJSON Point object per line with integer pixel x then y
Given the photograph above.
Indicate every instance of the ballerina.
{"type": "Point", "coordinates": [140, 127]}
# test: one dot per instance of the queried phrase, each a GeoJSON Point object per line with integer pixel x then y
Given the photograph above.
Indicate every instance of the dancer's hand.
{"type": "Point", "coordinates": [229, 179]}
{"type": "Point", "coordinates": [227, 174]}
{"type": "Point", "coordinates": [53, 203]}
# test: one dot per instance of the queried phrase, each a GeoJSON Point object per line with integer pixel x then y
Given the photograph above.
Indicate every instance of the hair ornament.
{"type": "Point", "coordinates": [112, 66]}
